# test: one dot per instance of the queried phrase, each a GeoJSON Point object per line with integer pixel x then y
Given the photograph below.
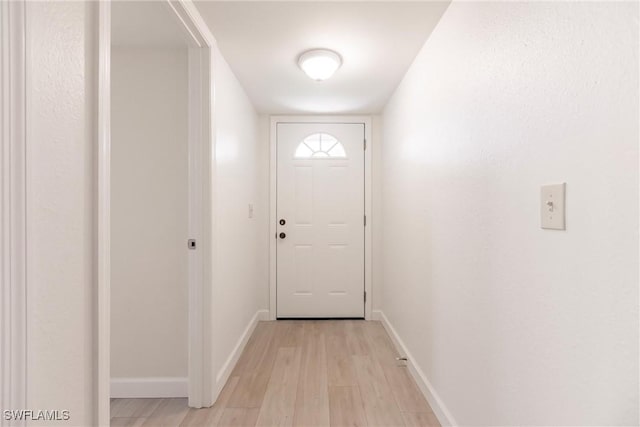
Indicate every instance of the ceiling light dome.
{"type": "Point", "coordinates": [319, 64]}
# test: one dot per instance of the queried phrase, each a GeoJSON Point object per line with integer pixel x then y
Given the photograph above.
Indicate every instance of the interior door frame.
{"type": "Point", "coordinates": [273, 201]}
{"type": "Point", "coordinates": [201, 170]}
{"type": "Point", "coordinates": [13, 214]}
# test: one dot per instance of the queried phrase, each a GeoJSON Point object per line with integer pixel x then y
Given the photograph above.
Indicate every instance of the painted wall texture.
{"type": "Point", "coordinates": [61, 83]}
{"type": "Point", "coordinates": [512, 324]}
{"type": "Point", "coordinates": [149, 183]}
{"type": "Point", "coordinates": [240, 257]}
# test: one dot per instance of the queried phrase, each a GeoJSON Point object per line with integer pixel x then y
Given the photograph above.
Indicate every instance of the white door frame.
{"type": "Point", "coordinates": [201, 173]}
{"type": "Point", "coordinates": [273, 169]}
{"type": "Point", "coordinates": [13, 303]}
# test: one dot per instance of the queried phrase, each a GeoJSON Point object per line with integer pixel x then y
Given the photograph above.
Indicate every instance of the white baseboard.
{"type": "Point", "coordinates": [153, 387]}
{"type": "Point", "coordinates": [438, 406]}
{"type": "Point", "coordinates": [230, 363]}
{"type": "Point", "coordinates": [164, 387]}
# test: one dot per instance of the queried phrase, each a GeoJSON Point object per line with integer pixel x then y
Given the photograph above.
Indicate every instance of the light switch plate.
{"type": "Point", "coordinates": [552, 201]}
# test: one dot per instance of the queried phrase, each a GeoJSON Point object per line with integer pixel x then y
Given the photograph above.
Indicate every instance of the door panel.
{"type": "Point", "coordinates": [320, 195]}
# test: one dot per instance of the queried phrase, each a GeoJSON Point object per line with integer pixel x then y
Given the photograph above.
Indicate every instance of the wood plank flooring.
{"type": "Point", "coordinates": [301, 373]}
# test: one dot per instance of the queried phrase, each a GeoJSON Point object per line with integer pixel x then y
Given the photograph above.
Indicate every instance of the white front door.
{"type": "Point", "coordinates": [320, 215]}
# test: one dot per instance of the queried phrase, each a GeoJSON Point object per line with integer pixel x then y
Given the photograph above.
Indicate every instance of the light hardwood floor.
{"type": "Point", "coordinates": [301, 373]}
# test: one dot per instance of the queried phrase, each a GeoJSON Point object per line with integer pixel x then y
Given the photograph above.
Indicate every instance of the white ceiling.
{"type": "Point", "coordinates": [145, 24]}
{"type": "Point", "coordinates": [377, 40]}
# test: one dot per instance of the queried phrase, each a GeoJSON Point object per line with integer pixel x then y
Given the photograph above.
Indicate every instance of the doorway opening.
{"type": "Point", "coordinates": [154, 202]}
{"type": "Point", "coordinates": [149, 204]}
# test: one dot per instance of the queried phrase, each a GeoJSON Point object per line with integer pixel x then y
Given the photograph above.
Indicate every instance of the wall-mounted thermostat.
{"type": "Point", "coordinates": [552, 201]}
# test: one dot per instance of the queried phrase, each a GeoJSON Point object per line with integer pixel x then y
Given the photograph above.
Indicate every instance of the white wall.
{"type": "Point", "coordinates": [512, 324]}
{"type": "Point", "coordinates": [149, 183]}
{"type": "Point", "coordinates": [61, 52]}
{"type": "Point", "coordinates": [240, 256]}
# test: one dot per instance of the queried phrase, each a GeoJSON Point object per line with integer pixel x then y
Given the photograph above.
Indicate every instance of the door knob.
{"type": "Point", "coordinates": [282, 235]}
{"type": "Point", "coordinates": [283, 222]}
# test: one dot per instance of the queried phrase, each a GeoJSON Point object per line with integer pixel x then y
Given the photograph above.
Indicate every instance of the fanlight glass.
{"type": "Point", "coordinates": [320, 145]}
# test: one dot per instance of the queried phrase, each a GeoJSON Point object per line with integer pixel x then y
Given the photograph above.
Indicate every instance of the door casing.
{"type": "Point", "coordinates": [366, 120]}
{"type": "Point", "coordinates": [13, 213]}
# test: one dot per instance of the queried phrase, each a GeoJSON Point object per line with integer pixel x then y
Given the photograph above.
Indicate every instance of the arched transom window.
{"type": "Point", "coordinates": [320, 145]}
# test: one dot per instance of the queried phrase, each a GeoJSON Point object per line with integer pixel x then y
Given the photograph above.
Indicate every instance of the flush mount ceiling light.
{"type": "Point", "coordinates": [319, 64]}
